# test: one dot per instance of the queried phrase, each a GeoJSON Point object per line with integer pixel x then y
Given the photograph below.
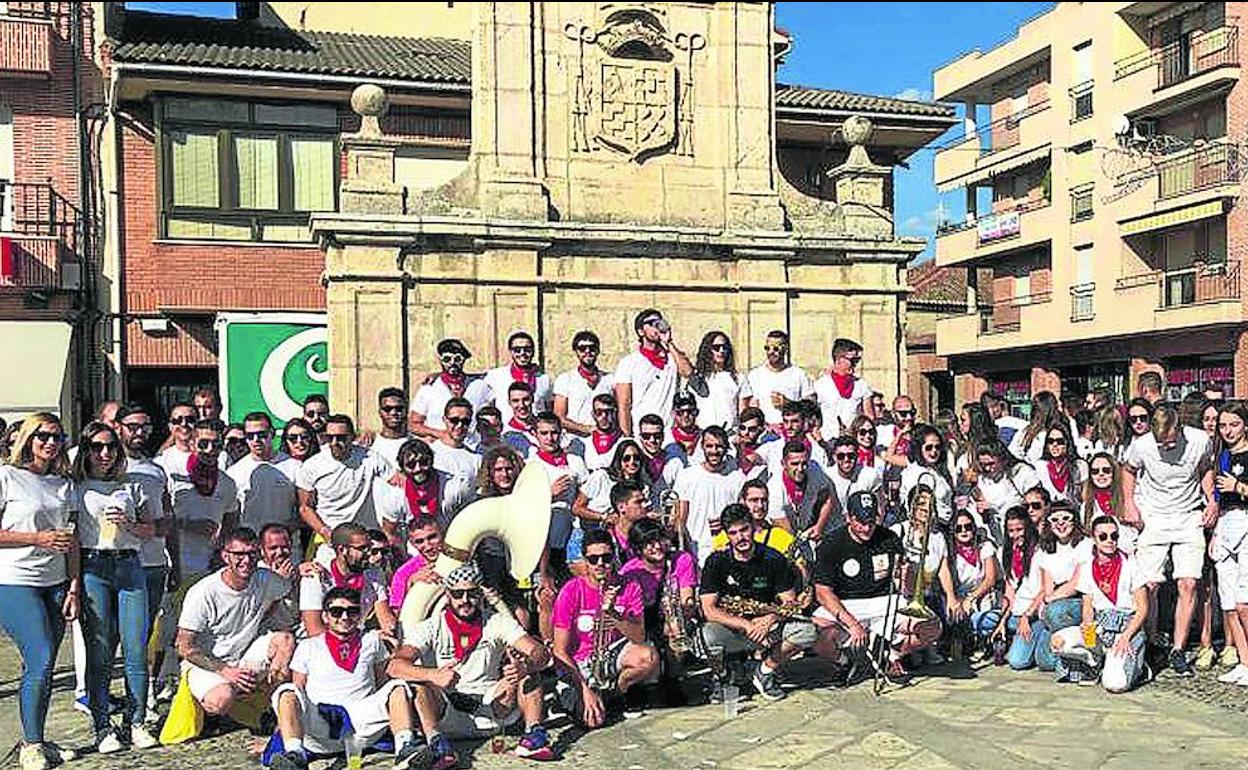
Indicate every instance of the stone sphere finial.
{"type": "Point", "coordinates": [857, 130]}
{"type": "Point", "coordinates": [369, 101]}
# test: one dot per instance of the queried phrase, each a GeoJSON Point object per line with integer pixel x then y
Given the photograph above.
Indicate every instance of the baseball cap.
{"type": "Point", "coordinates": [453, 346]}
{"type": "Point", "coordinates": [862, 506]}
{"type": "Point", "coordinates": [684, 400]}
{"type": "Point", "coordinates": [644, 317]}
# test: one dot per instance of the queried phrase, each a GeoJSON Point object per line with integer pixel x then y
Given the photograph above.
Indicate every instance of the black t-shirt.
{"type": "Point", "coordinates": [1236, 464]}
{"type": "Point", "coordinates": [856, 570]}
{"type": "Point", "coordinates": [762, 578]}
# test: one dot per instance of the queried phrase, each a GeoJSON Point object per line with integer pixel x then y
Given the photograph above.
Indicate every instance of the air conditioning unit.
{"type": "Point", "coordinates": [71, 276]}
{"type": "Point", "coordinates": [154, 325]}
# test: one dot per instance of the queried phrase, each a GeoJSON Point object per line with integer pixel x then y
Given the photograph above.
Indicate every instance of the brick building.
{"type": "Point", "coordinates": [48, 84]}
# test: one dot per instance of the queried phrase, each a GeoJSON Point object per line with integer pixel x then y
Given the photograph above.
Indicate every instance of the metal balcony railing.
{"type": "Point", "coordinates": [1000, 134]}
{"type": "Point", "coordinates": [1081, 301]}
{"type": "Point", "coordinates": [1209, 166]}
{"type": "Point", "coordinates": [1192, 54]}
{"type": "Point", "coordinates": [44, 231]}
{"type": "Point", "coordinates": [1203, 282]}
{"type": "Point", "coordinates": [1006, 314]}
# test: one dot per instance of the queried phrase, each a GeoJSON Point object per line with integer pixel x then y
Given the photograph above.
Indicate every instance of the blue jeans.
{"type": "Point", "coordinates": [115, 607]}
{"type": "Point", "coordinates": [1063, 613]}
{"type": "Point", "coordinates": [1024, 653]}
{"type": "Point", "coordinates": [32, 618]}
{"type": "Point", "coordinates": [156, 578]}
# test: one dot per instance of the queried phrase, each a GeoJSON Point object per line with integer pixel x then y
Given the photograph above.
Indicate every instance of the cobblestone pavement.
{"type": "Point", "coordinates": [955, 718]}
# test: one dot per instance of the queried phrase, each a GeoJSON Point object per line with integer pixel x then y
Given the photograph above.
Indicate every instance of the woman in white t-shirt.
{"type": "Point", "coordinates": [865, 435]}
{"type": "Point", "coordinates": [720, 391]}
{"type": "Point", "coordinates": [926, 460]}
{"type": "Point", "coordinates": [1028, 443]}
{"type": "Point", "coordinates": [1102, 496]}
{"type": "Point", "coordinates": [1060, 469]}
{"type": "Point", "coordinates": [975, 571]}
{"type": "Point", "coordinates": [1000, 481]}
{"type": "Point", "coordinates": [1061, 557]}
{"type": "Point", "coordinates": [115, 517]}
{"type": "Point", "coordinates": [39, 582]}
{"type": "Point", "coordinates": [1023, 597]}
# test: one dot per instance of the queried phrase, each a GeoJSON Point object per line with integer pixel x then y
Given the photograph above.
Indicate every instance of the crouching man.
{"type": "Point", "coordinates": [474, 671]}
{"type": "Point", "coordinates": [338, 684]}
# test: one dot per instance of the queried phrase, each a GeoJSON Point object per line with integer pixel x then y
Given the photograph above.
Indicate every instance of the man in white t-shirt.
{"type": "Point", "coordinates": [598, 448]}
{"type": "Point", "coordinates": [1167, 485]}
{"type": "Point", "coordinates": [347, 569]}
{"type": "Point", "coordinates": [392, 411]}
{"type": "Point", "coordinates": [999, 410]}
{"type": "Point", "coordinates": [841, 394]}
{"type": "Point", "coordinates": [521, 369]}
{"type": "Point", "coordinates": [704, 490]}
{"type": "Point", "coordinates": [265, 478]}
{"type": "Point", "coordinates": [225, 650]}
{"type": "Point", "coordinates": [566, 472]}
{"type": "Point", "coordinates": [645, 380]}
{"type": "Point", "coordinates": [795, 425]}
{"type": "Point", "coordinates": [343, 672]}
{"type": "Point", "coordinates": [849, 476]}
{"type": "Point", "coordinates": [800, 497]}
{"type": "Point", "coordinates": [451, 453]}
{"type": "Point", "coordinates": [683, 445]}
{"type": "Point", "coordinates": [429, 404]}
{"type": "Point", "coordinates": [778, 381]}
{"type": "Point", "coordinates": [204, 498]}
{"type": "Point", "coordinates": [520, 430]}
{"type": "Point", "coordinates": [576, 390]}
{"type": "Point", "coordinates": [336, 484]}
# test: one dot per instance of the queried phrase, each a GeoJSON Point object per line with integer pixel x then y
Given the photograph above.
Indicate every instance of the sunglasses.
{"type": "Point", "coordinates": [630, 458]}
{"type": "Point", "coordinates": [586, 348]}
{"type": "Point", "coordinates": [866, 432]}
{"type": "Point", "coordinates": [337, 438]}
{"type": "Point", "coordinates": [904, 412]}
{"type": "Point", "coordinates": [774, 348]}
{"type": "Point", "coordinates": [378, 550]}
{"type": "Point", "coordinates": [416, 464]}
{"type": "Point", "coordinates": [257, 435]}
{"type": "Point", "coordinates": [1107, 536]}
{"type": "Point", "coordinates": [184, 420]}
{"type": "Point", "coordinates": [1138, 418]}
{"type": "Point", "coordinates": [100, 446]}
{"type": "Point", "coordinates": [597, 558]}
{"type": "Point", "coordinates": [845, 455]}
{"type": "Point", "coordinates": [393, 408]}
{"type": "Point", "coordinates": [137, 427]}
{"type": "Point", "coordinates": [1102, 471]}
{"type": "Point", "coordinates": [458, 420]}
{"type": "Point", "coordinates": [250, 555]}
{"type": "Point", "coordinates": [1061, 519]}
{"type": "Point", "coordinates": [451, 358]}
{"type": "Point", "coordinates": [340, 611]}
{"type": "Point", "coordinates": [1035, 505]}
{"type": "Point", "coordinates": [464, 593]}
{"type": "Point", "coordinates": [235, 440]}
{"type": "Point", "coordinates": [722, 348]}
{"type": "Point", "coordinates": [852, 359]}
{"type": "Point", "coordinates": [651, 436]}
{"type": "Point", "coordinates": [299, 437]}
{"type": "Point", "coordinates": [1057, 441]}
{"type": "Point", "coordinates": [312, 414]}
{"type": "Point", "coordinates": [931, 447]}
{"type": "Point", "coordinates": [964, 528]}
{"type": "Point", "coordinates": [207, 444]}
{"type": "Point", "coordinates": [523, 349]}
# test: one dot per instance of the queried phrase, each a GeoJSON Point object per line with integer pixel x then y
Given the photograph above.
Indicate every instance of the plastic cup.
{"type": "Point", "coordinates": [354, 751]}
{"type": "Point", "coordinates": [1089, 636]}
{"type": "Point", "coordinates": [731, 695]}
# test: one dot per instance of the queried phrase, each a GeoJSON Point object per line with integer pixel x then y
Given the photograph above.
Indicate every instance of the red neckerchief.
{"type": "Point", "coordinates": [1016, 564]}
{"type": "Point", "coordinates": [844, 383]}
{"type": "Point", "coordinates": [455, 383]}
{"type": "Point", "coordinates": [345, 581]}
{"type": "Point", "coordinates": [970, 554]}
{"type": "Point", "coordinates": [423, 498]}
{"type": "Point", "coordinates": [591, 376]}
{"type": "Point", "coordinates": [1106, 575]}
{"type": "Point", "coordinates": [903, 446]}
{"type": "Point", "coordinates": [805, 439]}
{"type": "Point", "coordinates": [866, 457]}
{"type": "Point", "coordinates": [687, 439]}
{"type": "Point", "coordinates": [515, 424]}
{"type": "Point", "coordinates": [792, 491]}
{"type": "Point", "coordinates": [747, 458]}
{"type": "Point", "coordinates": [559, 461]}
{"type": "Point", "coordinates": [344, 651]}
{"type": "Point", "coordinates": [203, 474]}
{"type": "Point", "coordinates": [527, 375]}
{"type": "Point", "coordinates": [655, 465]}
{"type": "Point", "coordinates": [1059, 477]}
{"type": "Point", "coordinates": [603, 441]}
{"type": "Point", "coordinates": [1104, 500]}
{"type": "Point", "coordinates": [465, 634]}
{"type": "Point", "coordinates": [656, 357]}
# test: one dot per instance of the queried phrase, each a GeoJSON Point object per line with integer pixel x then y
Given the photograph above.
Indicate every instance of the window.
{"type": "Point", "coordinates": [1081, 92]}
{"type": "Point", "coordinates": [1081, 202]}
{"type": "Point", "coordinates": [246, 171]}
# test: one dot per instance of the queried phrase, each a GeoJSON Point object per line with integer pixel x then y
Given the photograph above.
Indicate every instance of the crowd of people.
{"type": "Point", "coordinates": [703, 520]}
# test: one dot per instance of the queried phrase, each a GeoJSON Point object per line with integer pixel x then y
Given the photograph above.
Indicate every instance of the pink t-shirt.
{"type": "Point", "coordinates": [403, 576]}
{"type": "Point", "coordinates": [683, 571]}
{"type": "Point", "coordinates": [577, 606]}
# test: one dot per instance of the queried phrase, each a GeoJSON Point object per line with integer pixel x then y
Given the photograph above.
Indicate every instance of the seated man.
{"type": "Point", "coordinates": [343, 668]}
{"type": "Point", "coordinates": [424, 544]}
{"type": "Point", "coordinates": [749, 602]}
{"type": "Point", "coordinates": [600, 635]}
{"type": "Point", "coordinates": [853, 577]}
{"type": "Point", "coordinates": [220, 631]}
{"type": "Point", "coordinates": [668, 581]}
{"type": "Point", "coordinates": [348, 568]}
{"type": "Point", "coordinates": [474, 671]}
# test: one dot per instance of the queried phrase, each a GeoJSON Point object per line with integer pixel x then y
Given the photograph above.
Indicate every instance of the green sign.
{"type": "Point", "coordinates": [269, 362]}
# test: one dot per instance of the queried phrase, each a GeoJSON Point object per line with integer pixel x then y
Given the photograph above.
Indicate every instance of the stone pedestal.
{"type": "Point", "coordinates": [860, 184]}
{"type": "Point", "coordinates": [369, 186]}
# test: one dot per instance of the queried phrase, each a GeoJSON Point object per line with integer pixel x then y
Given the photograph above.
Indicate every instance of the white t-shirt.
{"type": "Point", "coordinates": [967, 576]}
{"type": "Point", "coordinates": [791, 382]}
{"type": "Point", "coordinates": [1065, 559]}
{"type": "Point", "coordinates": [431, 399]}
{"type": "Point", "coordinates": [561, 506]}
{"type": "Point", "coordinates": [1009, 490]}
{"type": "Point", "coordinates": [1030, 452]}
{"type": "Point", "coordinates": [1130, 580]}
{"type": "Point", "coordinates": [653, 389]}
{"type": "Point", "coordinates": [867, 479]}
{"type": "Point", "coordinates": [454, 492]}
{"type": "Point", "coordinates": [31, 502]}
{"type": "Point", "coordinates": [583, 447]}
{"type": "Point", "coordinates": [1074, 488]}
{"type": "Point", "coordinates": [389, 447]}
{"type": "Point", "coordinates": [327, 681]}
{"type": "Point", "coordinates": [1028, 589]}
{"type": "Point", "coordinates": [773, 453]}
{"type": "Point", "coordinates": [196, 548]}
{"type": "Point", "coordinates": [228, 620]}
{"type": "Point", "coordinates": [312, 589]}
{"type": "Point", "coordinates": [839, 412]}
{"type": "Point", "coordinates": [1168, 494]}
{"type": "Point", "coordinates": [937, 551]}
{"type": "Point", "coordinates": [801, 517]}
{"type": "Point", "coordinates": [266, 490]}
{"type": "Point", "coordinates": [455, 461]}
{"type": "Point", "coordinates": [344, 490]}
{"type": "Point", "coordinates": [1008, 426]}
{"type": "Point", "coordinates": [499, 379]}
{"type": "Point", "coordinates": [152, 478]}
{"type": "Point", "coordinates": [722, 404]}
{"type": "Point", "coordinates": [572, 386]}
{"type": "Point", "coordinates": [707, 494]}
{"type": "Point", "coordinates": [910, 476]}
{"type": "Point", "coordinates": [597, 491]}
{"type": "Point", "coordinates": [480, 671]}
{"type": "Point", "coordinates": [92, 497]}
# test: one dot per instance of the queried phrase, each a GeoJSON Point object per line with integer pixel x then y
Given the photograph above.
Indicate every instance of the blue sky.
{"type": "Point", "coordinates": [878, 48]}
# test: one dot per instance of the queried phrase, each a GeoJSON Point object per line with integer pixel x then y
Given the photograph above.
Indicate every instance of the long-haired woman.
{"type": "Point", "coordinates": [976, 570]}
{"type": "Point", "coordinates": [1023, 597]}
{"type": "Point", "coordinates": [39, 581]}
{"type": "Point", "coordinates": [1230, 538]}
{"type": "Point", "coordinates": [1102, 496]}
{"type": "Point", "coordinates": [1062, 553]}
{"type": "Point", "coordinates": [720, 391]}
{"type": "Point", "coordinates": [928, 461]}
{"type": "Point", "coordinates": [1139, 420]}
{"type": "Point", "coordinates": [1028, 443]}
{"type": "Point", "coordinates": [1060, 469]}
{"type": "Point", "coordinates": [1111, 432]}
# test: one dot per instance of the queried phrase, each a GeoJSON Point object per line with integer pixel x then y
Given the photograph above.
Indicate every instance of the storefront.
{"type": "Point", "coordinates": [1015, 388]}
{"type": "Point", "coordinates": [1082, 380]}
{"type": "Point", "coordinates": [1197, 373]}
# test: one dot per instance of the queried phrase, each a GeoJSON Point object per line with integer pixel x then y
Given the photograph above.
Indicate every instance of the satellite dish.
{"type": "Point", "coordinates": [1122, 125]}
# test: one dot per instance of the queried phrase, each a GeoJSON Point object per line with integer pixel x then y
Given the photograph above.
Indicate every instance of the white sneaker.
{"type": "Point", "coordinates": [140, 738]}
{"type": "Point", "coordinates": [31, 757]}
{"type": "Point", "coordinates": [1237, 675]}
{"type": "Point", "coordinates": [107, 742]}
{"type": "Point", "coordinates": [57, 755]}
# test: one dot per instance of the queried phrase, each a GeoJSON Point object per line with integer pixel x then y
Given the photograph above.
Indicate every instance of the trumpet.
{"type": "Point", "coordinates": [922, 509]}
{"type": "Point", "coordinates": [601, 674]}
{"type": "Point", "coordinates": [668, 502]}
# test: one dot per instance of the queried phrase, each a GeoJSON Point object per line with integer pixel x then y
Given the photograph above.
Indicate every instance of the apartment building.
{"type": "Point", "coordinates": [1102, 168]}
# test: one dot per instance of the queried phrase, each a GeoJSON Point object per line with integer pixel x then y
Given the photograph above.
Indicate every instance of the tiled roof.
{"type": "Point", "coordinates": [933, 285]}
{"type": "Point", "coordinates": [802, 97]}
{"type": "Point", "coordinates": [227, 43]}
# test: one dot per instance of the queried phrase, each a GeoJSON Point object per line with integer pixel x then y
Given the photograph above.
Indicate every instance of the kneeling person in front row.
{"type": "Point", "coordinates": [750, 602]}
{"type": "Point", "coordinates": [341, 674]}
{"type": "Point", "coordinates": [474, 671]}
{"type": "Point", "coordinates": [853, 576]}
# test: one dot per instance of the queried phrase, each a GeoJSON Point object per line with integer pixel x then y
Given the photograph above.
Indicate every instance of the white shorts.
{"type": "Point", "coordinates": [201, 680]}
{"type": "Point", "coordinates": [370, 717]}
{"type": "Point", "coordinates": [1187, 558]}
{"type": "Point", "coordinates": [1230, 559]}
{"type": "Point", "coordinates": [869, 612]}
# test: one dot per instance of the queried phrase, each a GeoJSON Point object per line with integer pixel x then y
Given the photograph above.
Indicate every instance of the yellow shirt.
{"type": "Point", "coordinates": [775, 537]}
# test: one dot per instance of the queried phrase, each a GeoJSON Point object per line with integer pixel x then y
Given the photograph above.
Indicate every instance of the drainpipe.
{"type": "Point", "coordinates": [85, 317]}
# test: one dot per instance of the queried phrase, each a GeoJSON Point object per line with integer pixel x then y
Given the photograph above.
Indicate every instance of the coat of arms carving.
{"type": "Point", "coordinates": [636, 109]}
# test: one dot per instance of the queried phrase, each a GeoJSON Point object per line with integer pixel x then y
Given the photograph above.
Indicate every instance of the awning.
{"type": "Point", "coordinates": [38, 352]}
{"type": "Point", "coordinates": [988, 169]}
{"type": "Point", "coordinates": [1172, 218]}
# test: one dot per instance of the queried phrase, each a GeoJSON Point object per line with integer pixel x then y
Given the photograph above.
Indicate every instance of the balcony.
{"type": "Point", "coordinates": [1081, 307]}
{"type": "Point", "coordinates": [1029, 224]}
{"type": "Point", "coordinates": [960, 162]}
{"type": "Point", "coordinates": [26, 40]}
{"type": "Point", "coordinates": [1201, 169]}
{"type": "Point", "coordinates": [40, 237]}
{"type": "Point", "coordinates": [1164, 77]}
{"type": "Point", "coordinates": [1011, 322]}
{"type": "Point", "coordinates": [1206, 293]}
{"type": "Point", "coordinates": [1190, 185]}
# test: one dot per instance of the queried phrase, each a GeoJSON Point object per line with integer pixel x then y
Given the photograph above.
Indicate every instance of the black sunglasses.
{"type": "Point", "coordinates": [651, 436]}
{"type": "Point", "coordinates": [904, 412]}
{"type": "Point", "coordinates": [298, 437]}
{"type": "Point", "coordinates": [340, 611]}
{"type": "Point", "coordinates": [1035, 505]}
{"type": "Point", "coordinates": [1138, 418]}
{"type": "Point", "coordinates": [964, 528]}
{"type": "Point", "coordinates": [523, 349]}
{"type": "Point", "coordinates": [721, 348]}
{"type": "Point", "coordinates": [100, 446]}
{"type": "Point", "coordinates": [1107, 536]}
{"type": "Point", "coordinates": [207, 444]}
{"type": "Point", "coordinates": [337, 438]}
{"type": "Point", "coordinates": [257, 435]}
{"type": "Point", "coordinates": [464, 593]}
{"type": "Point", "coordinates": [184, 420]}
{"type": "Point", "coordinates": [235, 440]}
{"type": "Point", "coordinates": [458, 420]}
{"type": "Point", "coordinates": [393, 408]}
{"type": "Point", "coordinates": [597, 558]}
{"type": "Point", "coordinates": [586, 348]}
{"type": "Point", "coordinates": [137, 427]}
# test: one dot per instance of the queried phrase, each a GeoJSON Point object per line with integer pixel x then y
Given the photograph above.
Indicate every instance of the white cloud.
{"type": "Point", "coordinates": [912, 224]}
{"type": "Point", "coordinates": [914, 95]}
